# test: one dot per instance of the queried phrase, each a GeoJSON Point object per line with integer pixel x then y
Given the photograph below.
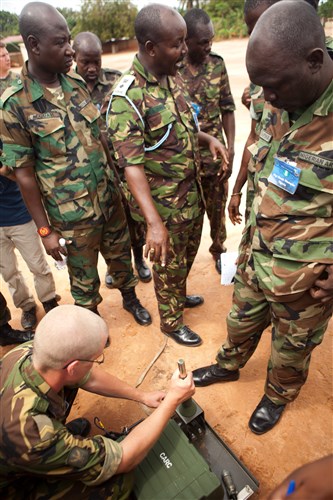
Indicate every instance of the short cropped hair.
{"type": "Point", "coordinates": [148, 23]}
{"type": "Point", "coordinates": [65, 334]}
{"type": "Point", "coordinates": [194, 17]}
{"type": "Point", "coordinates": [33, 19]}
{"type": "Point", "coordinates": [286, 23]}
{"type": "Point", "coordinates": [251, 5]}
{"type": "Point", "coordinates": [313, 3]}
{"type": "Point", "coordinates": [86, 38]}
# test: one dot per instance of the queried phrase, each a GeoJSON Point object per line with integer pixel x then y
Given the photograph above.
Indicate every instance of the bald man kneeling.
{"type": "Point", "coordinates": [39, 454]}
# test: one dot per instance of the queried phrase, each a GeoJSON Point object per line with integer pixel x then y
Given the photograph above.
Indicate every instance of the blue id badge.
{"type": "Point", "coordinates": [195, 112]}
{"type": "Point", "coordinates": [285, 175]}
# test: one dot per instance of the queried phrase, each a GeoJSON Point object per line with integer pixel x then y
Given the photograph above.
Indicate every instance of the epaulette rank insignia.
{"type": "Point", "coordinates": [123, 85]}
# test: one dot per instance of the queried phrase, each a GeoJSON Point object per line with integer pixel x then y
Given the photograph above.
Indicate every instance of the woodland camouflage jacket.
{"type": "Point", "coordinates": [171, 168]}
{"type": "Point", "coordinates": [33, 439]}
{"type": "Point", "coordinates": [60, 139]}
{"type": "Point", "coordinates": [291, 234]}
{"type": "Point", "coordinates": [210, 92]}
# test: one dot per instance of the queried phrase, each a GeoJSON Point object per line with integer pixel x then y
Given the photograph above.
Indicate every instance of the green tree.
{"type": "Point", "coordinates": [227, 17]}
{"type": "Point", "coordinates": [8, 24]}
{"type": "Point", "coordinates": [71, 16]}
{"type": "Point", "coordinates": [107, 18]}
{"type": "Point", "coordinates": [326, 9]}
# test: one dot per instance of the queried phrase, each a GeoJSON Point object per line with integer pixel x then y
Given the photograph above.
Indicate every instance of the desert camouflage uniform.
{"type": "Point", "coordinates": [171, 171]}
{"type": "Point", "coordinates": [210, 92]}
{"type": "Point", "coordinates": [8, 81]}
{"type": "Point", "coordinates": [286, 246]}
{"type": "Point", "coordinates": [106, 80]}
{"type": "Point", "coordinates": [58, 135]}
{"type": "Point", "coordinates": [39, 457]}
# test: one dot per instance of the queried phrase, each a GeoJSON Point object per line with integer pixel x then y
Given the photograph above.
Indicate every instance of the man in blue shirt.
{"type": "Point", "coordinates": [17, 230]}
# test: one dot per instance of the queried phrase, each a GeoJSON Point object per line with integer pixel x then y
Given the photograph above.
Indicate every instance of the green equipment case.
{"type": "Point", "coordinates": [174, 469]}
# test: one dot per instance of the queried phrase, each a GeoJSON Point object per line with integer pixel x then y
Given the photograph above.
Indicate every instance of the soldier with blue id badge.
{"type": "Point", "coordinates": [284, 277]}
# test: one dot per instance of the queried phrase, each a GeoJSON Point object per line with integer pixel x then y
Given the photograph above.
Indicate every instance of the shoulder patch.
{"type": "Point", "coordinates": [13, 89]}
{"type": "Point", "coordinates": [123, 85]}
{"type": "Point", "coordinates": [78, 457]}
{"type": "Point", "coordinates": [45, 426]}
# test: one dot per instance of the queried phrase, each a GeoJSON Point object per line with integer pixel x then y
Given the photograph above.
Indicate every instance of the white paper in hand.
{"type": "Point", "coordinates": [228, 267]}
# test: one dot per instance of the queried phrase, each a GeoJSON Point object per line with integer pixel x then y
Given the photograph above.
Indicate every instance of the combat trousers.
{"type": "Point", "coordinates": [170, 281]}
{"type": "Point", "coordinates": [298, 327]}
{"type": "Point", "coordinates": [215, 194]}
{"type": "Point", "coordinates": [24, 237]}
{"type": "Point", "coordinates": [111, 239]}
{"type": "Point", "coordinates": [250, 189]}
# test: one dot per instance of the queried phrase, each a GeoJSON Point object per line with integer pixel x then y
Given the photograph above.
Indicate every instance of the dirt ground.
{"type": "Point", "coordinates": [305, 431]}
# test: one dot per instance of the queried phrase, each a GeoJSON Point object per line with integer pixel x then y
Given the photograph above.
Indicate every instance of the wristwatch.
{"type": "Point", "coordinates": [44, 231]}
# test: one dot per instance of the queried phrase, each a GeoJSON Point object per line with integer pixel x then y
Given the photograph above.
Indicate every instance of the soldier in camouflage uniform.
{"type": "Point", "coordinates": [7, 77]}
{"type": "Point", "coordinates": [155, 140]}
{"type": "Point", "coordinates": [285, 271]}
{"type": "Point", "coordinates": [52, 139]}
{"type": "Point", "coordinates": [253, 98]}
{"type": "Point", "coordinates": [88, 56]}
{"type": "Point", "coordinates": [40, 456]}
{"type": "Point", "coordinates": [206, 79]}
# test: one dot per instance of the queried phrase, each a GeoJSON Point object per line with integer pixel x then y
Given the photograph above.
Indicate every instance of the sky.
{"type": "Point", "coordinates": [15, 6]}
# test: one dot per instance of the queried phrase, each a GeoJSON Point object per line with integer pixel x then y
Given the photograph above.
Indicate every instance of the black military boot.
{"type": "Point", "coordinates": [9, 335]}
{"type": "Point", "coordinates": [132, 304]}
{"type": "Point", "coordinates": [29, 319]}
{"type": "Point", "coordinates": [50, 304]}
{"type": "Point", "coordinates": [144, 272]}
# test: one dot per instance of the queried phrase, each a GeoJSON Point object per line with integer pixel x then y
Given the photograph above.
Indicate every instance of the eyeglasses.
{"type": "Point", "coordinates": [99, 361]}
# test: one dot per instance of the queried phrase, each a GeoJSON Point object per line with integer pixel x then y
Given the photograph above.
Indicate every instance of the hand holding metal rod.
{"type": "Point", "coordinates": [187, 408]}
{"type": "Point", "coordinates": [182, 369]}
